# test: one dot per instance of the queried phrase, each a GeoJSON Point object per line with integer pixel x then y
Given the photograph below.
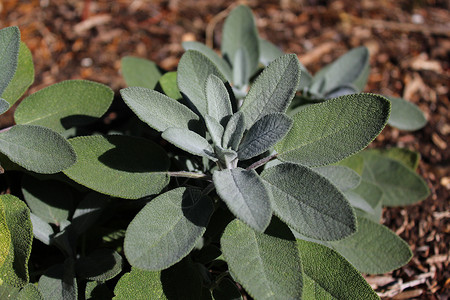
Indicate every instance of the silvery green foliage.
{"type": "Point", "coordinates": [246, 173]}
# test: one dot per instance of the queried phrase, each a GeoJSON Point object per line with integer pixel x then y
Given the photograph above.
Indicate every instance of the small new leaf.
{"type": "Point", "coordinates": [234, 131]}
{"type": "Point", "coordinates": [406, 115]}
{"type": "Point", "coordinates": [218, 100]}
{"type": "Point", "coordinates": [140, 72]}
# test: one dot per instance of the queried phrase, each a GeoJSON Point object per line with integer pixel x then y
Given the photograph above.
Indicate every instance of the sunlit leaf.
{"type": "Point", "coordinates": [140, 72]}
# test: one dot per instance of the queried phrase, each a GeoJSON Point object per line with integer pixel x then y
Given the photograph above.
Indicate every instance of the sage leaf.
{"type": "Point", "coordinates": [4, 106]}
{"type": "Point", "coordinates": [400, 184]}
{"type": "Point", "coordinates": [267, 265]}
{"type": "Point", "coordinates": [245, 195]}
{"type": "Point", "coordinates": [182, 281]}
{"type": "Point", "coordinates": [226, 290]}
{"type": "Point", "coordinates": [119, 166]}
{"type": "Point", "coordinates": [239, 30]}
{"type": "Point", "coordinates": [273, 89]}
{"type": "Point", "coordinates": [30, 292]}
{"type": "Point", "coordinates": [14, 269]}
{"type": "Point", "coordinates": [88, 211]}
{"type": "Point", "coordinates": [330, 131]}
{"type": "Point", "coordinates": [157, 110]}
{"type": "Point", "coordinates": [406, 115]}
{"type": "Point", "coordinates": [215, 130]}
{"type": "Point", "coordinates": [223, 66]}
{"type": "Point", "coordinates": [268, 52]}
{"type": "Point", "coordinates": [8, 292]}
{"type": "Point", "coordinates": [241, 68]}
{"type": "Point", "coordinates": [264, 134]}
{"type": "Point", "coordinates": [42, 231]}
{"type": "Point", "coordinates": [189, 141]}
{"type": "Point", "coordinates": [168, 83]}
{"type": "Point", "coordinates": [310, 204]}
{"type": "Point", "coordinates": [9, 53]}
{"type": "Point", "coordinates": [50, 200]}
{"type": "Point", "coordinates": [167, 229]}
{"type": "Point", "coordinates": [59, 282]}
{"type": "Point", "coordinates": [327, 275]}
{"type": "Point", "coordinates": [97, 290]}
{"type": "Point", "coordinates": [140, 72]}
{"type": "Point", "coordinates": [5, 234]}
{"type": "Point", "coordinates": [373, 249]}
{"type": "Point", "coordinates": [342, 177]}
{"type": "Point", "coordinates": [23, 77]}
{"type": "Point", "coordinates": [139, 285]}
{"type": "Point", "coordinates": [359, 202]}
{"type": "Point", "coordinates": [371, 194]}
{"type": "Point", "coordinates": [64, 105]}
{"type": "Point", "coordinates": [407, 157]}
{"type": "Point", "coordinates": [234, 131]}
{"type": "Point", "coordinates": [218, 100]}
{"type": "Point", "coordinates": [100, 265]}
{"type": "Point", "coordinates": [193, 71]}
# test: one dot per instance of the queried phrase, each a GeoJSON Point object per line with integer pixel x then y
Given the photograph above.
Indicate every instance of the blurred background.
{"type": "Point", "coordinates": [409, 44]}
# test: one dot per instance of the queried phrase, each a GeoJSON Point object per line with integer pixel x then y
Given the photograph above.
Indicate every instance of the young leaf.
{"type": "Point", "coordinates": [218, 100]}
{"type": "Point", "coordinates": [193, 71]}
{"type": "Point", "coordinates": [50, 200]}
{"type": "Point", "coordinates": [226, 290]}
{"type": "Point", "coordinates": [330, 131]}
{"type": "Point", "coordinates": [245, 195]}
{"type": "Point", "coordinates": [157, 110]}
{"type": "Point", "coordinates": [407, 157]}
{"type": "Point", "coordinates": [65, 104]}
{"type": "Point", "coordinates": [406, 115]}
{"type": "Point", "coordinates": [167, 229]}
{"type": "Point", "coordinates": [37, 149]}
{"type": "Point", "coordinates": [264, 134]}
{"type": "Point", "coordinates": [169, 85]}
{"type": "Point", "coordinates": [342, 177]}
{"type": "Point", "coordinates": [327, 275]}
{"type": "Point", "coordinates": [266, 264]}
{"type": "Point", "coordinates": [4, 106]}
{"type": "Point", "coordinates": [139, 285]}
{"type": "Point", "coordinates": [189, 141]}
{"type": "Point", "coordinates": [88, 211]}
{"type": "Point", "coordinates": [42, 231]}
{"type": "Point", "coordinates": [223, 66]}
{"type": "Point", "coordinates": [400, 184]}
{"type": "Point", "coordinates": [14, 270]}
{"type": "Point", "coordinates": [239, 30]}
{"type": "Point", "coordinates": [234, 131]}
{"type": "Point", "coordinates": [241, 68]}
{"type": "Point", "coordinates": [119, 166]}
{"type": "Point", "coordinates": [273, 89]}
{"type": "Point", "coordinates": [140, 72]}
{"type": "Point", "coordinates": [30, 292]}
{"type": "Point", "coordinates": [23, 77]}
{"type": "Point", "coordinates": [215, 130]}
{"type": "Point", "coordinates": [59, 282]}
{"type": "Point", "coordinates": [310, 204]}
{"type": "Point", "coordinates": [268, 52]}
{"type": "Point", "coordinates": [9, 53]}
{"type": "Point", "coordinates": [373, 248]}
{"type": "Point", "coordinates": [100, 265]}
{"type": "Point", "coordinates": [351, 68]}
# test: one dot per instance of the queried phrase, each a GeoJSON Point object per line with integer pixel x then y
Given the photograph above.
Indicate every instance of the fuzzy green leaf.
{"type": "Point", "coordinates": [218, 100]}
{"type": "Point", "coordinates": [42, 231]}
{"type": "Point", "coordinates": [407, 157]}
{"type": "Point", "coordinates": [140, 72]}
{"type": "Point", "coordinates": [23, 77]}
{"type": "Point", "coordinates": [241, 68]}
{"type": "Point", "coordinates": [8, 292]}
{"type": "Point", "coordinates": [4, 106]}
{"type": "Point", "coordinates": [273, 89]}
{"type": "Point", "coordinates": [268, 52]}
{"type": "Point", "coordinates": [167, 229]}
{"type": "Point", "coordinates": [406, 115]}
{"type": "Point", "coordinates": [234, 131]}
{"type": "Point", "coordinates": [169, 85]}
{"type": "Point", "coordinates": [5, 235]}
{"type": "Point", "coordinates": [373, 248]}
{"type": "Point", "coordinates": [330, 131]}
{"type": "Point", "coordinates": [65, 104]}
{"type": "Point", "coordinates": [100, 265]}
{"type": "Point", "coordinates": [50, 200]}
{"type": "Point", "coordinates": [189, 141]}
{"type": "Point", "coordinates": [352, 68]}
{"type": "Point", "coordinates": [310, 204]}
{"type": "Point", "coordinates": [139, 285]}
{"type": "Point", "coordinates": [9, 53]}
{"type": "Point", "coordinates": [245, 195]}
{"type": "Point", "coordinates": [37, 149]}
{"type": "Point", "coordinates": [327, 275]}
{"type": "Point", "coordinates": [59, 282]}
{"type": "Point", "coordinates": [264, 134]}
{"type": "Point", "coordinates": [120, 166]}
{"type": "Point", "coordinates": [266, 264]}
{"type": "Point", "coordinates": [372, 195]}
{"type": "Point", "coordinates": [223, 66]}
{"type": "Point", "coordinates": [400, 184]}
{"type": "Point", "coordinates": [215, 130]}
{"type": "Point", "coordinates": [342, 177]}
{"type": "Point", "coordinates": [88, 211]}
{"type": "Point", "coordinates": [239, 31]}
{"type": "Point", "coordinates": [14, 270]}
{"type": "Point", "coordinates": [157, 110]}
{"type": "Point", "coordinates": [193, 71]}
{"type": "Point", "coordinates": [30, 292]}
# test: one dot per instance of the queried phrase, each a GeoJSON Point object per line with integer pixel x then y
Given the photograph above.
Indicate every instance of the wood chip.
{"type": "Point", "coordinates": [91, 23]}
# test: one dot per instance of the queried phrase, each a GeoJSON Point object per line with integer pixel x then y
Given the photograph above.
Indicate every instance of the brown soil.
{"type": "Point", "coordinates": [410, 56]}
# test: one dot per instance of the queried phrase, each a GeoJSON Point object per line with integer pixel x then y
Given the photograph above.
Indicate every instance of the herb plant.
{"type": "Point", "coordinates": [246, 173]}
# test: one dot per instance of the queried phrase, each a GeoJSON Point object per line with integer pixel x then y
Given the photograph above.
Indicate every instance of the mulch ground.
{"type": "Point", "coordinates": [410, 56]}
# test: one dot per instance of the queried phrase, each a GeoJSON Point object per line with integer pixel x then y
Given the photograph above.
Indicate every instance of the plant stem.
{"type": "Point", "coordinates": [190, 175]}
{"type": "Point", "coordinates": [262, 161]}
